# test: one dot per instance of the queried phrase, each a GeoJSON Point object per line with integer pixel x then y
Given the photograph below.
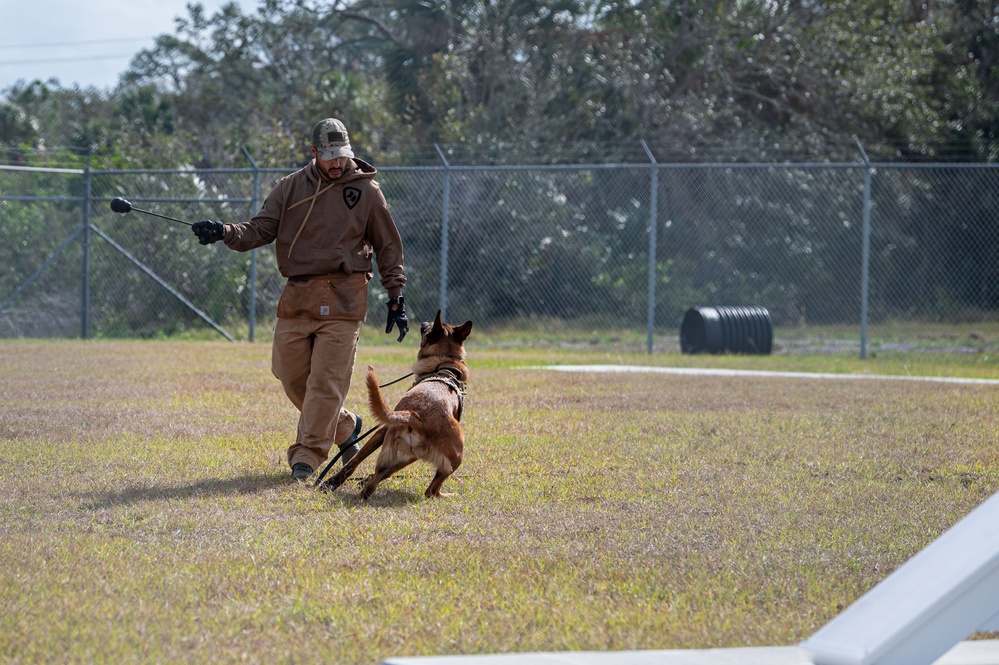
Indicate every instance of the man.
{"type": "Point", "coordinates": [326, 220]}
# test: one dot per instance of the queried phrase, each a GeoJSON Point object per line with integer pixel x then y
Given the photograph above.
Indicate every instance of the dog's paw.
{"type": "Point", "coordinates": [328, 485]}
{"type": "Point", "coordinates": [437, 495]}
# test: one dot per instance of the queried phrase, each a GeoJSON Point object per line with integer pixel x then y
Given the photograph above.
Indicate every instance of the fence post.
{"type": "Point", "coordinates": [653, 226]}
{"type": "Point", "coordinates": [253, 252]}
{"type": "Point", "coordinates": [85, 294]}
{"type": "Point", "coordinates": [445, 222]}
{"type": "Point", "coordinates": [865, 268]}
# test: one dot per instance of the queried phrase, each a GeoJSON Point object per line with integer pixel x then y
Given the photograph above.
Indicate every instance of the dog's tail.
{"type": "Point", "coordinates": [381, 410]}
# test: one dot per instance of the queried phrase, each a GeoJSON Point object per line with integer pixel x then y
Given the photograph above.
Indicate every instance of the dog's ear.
{"type": "Point", "coordinates": [462, 332]}
{"type": "Point", "coordinates": [436, 330]}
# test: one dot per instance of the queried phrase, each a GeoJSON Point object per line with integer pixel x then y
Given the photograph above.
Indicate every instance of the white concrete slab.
{"type": "Point", "coordinates": [976, 652]}
{"type": "Point", "coordinates": [972, 652]}
{"type": "Point", "coordinates": [947, 591]}
{"type": "Point", "coordinates": [740, 656]}
{"type": "Point", "coordinates": [990, 626]}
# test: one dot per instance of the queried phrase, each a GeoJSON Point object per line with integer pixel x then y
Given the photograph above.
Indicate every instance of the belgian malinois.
{"type": "Point", "coordinates": [425, 423]}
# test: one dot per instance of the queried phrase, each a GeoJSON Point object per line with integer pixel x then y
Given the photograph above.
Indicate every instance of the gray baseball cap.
{"type": "Point", "coordinates": [329, 137]}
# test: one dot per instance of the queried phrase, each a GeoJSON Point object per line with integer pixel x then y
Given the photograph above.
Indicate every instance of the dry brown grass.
{"type": "Point", "coordinates": [147, 512]}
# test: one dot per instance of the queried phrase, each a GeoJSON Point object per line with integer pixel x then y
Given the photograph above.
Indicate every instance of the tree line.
{"type": "Point", "coordinates": [509, 80]}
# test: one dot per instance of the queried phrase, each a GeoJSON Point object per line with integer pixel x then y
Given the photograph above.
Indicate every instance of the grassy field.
{"type": "Point", "coordinates": [148, 514]}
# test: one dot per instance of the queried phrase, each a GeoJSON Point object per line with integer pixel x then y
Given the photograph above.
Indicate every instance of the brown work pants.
{"type": "Point", "coordinates": [314, 361]}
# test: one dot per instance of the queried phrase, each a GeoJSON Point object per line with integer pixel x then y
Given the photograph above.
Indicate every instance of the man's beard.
{"type": "Point", "coordinates": [326, 174]}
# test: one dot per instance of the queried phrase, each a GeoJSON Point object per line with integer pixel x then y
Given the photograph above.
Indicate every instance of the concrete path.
{"type": "Point", "coordinates": [700, 371]}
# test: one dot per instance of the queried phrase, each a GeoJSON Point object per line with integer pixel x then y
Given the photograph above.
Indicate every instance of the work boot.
{"type": "Point", "coordinates": [350, 446]}
{"type": "Point", "coordinates": [301, 471]}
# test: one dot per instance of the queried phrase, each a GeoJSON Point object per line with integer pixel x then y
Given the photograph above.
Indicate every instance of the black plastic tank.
{"type": "Point", "coordinates": [748, 330]}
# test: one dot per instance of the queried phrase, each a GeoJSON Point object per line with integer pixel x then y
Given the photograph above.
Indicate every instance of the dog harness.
{"type": "Point", "coordinates": [451, 376]}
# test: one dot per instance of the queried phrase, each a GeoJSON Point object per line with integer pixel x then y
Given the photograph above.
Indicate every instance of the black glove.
{"type": "Point", "coordinates": [208, 231]}
{"type": "Point", "coordinates": [397, 315]}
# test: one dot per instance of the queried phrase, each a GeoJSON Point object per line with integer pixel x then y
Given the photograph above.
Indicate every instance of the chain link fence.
{"type": "Point", "coordinates": [570, 254]}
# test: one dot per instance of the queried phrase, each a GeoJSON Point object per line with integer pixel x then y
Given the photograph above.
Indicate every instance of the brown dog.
{"type": "Point", "coordinates": [424, 424]}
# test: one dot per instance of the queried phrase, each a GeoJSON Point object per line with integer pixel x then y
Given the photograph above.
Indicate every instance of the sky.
{"type": "Point", "coordinates": [84, 42]}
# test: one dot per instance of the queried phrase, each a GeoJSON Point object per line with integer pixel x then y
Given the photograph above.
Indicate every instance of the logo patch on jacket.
{"type": "Point", "coordinates": [351, 196]}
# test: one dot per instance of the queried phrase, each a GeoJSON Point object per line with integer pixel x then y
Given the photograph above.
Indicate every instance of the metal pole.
{"type": "Point", "coordinates": [85, 296]}
{"type": "Point", "coordinates": [653, 226]}
{"type": "Point", "coordinates": [253, 252]}
{"type": "Point", "coordinates": [445, 232]}
{"type": "Point", "coordinates": [865, 268]}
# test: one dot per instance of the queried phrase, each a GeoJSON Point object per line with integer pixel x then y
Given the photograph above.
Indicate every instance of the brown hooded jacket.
{"type": "Point", "coordinates": [344, 222]}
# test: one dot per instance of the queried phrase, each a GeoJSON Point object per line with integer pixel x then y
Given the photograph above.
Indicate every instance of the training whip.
{"type": "Point", "coordinates": [120, 205]}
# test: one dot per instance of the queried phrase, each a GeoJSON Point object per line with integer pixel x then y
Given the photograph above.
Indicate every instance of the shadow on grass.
{"type": "Point", "coordinates": [349, 495]}
{"type": "Point", "coordinates": [246, 484]}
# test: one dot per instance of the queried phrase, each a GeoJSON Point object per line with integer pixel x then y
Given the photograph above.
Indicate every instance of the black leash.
{"type": "Point", "coordinates": [340, 454]}
{"type": "Point", "coordinates": [356, 440]}
{"type": "Point", "coordinates": [386, 385]}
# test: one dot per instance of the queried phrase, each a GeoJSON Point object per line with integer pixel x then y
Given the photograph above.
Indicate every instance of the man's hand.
{"type": "Point", "coordinates": [208, 231]}
{"type": "Point", "coordinates": [397, 315]}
